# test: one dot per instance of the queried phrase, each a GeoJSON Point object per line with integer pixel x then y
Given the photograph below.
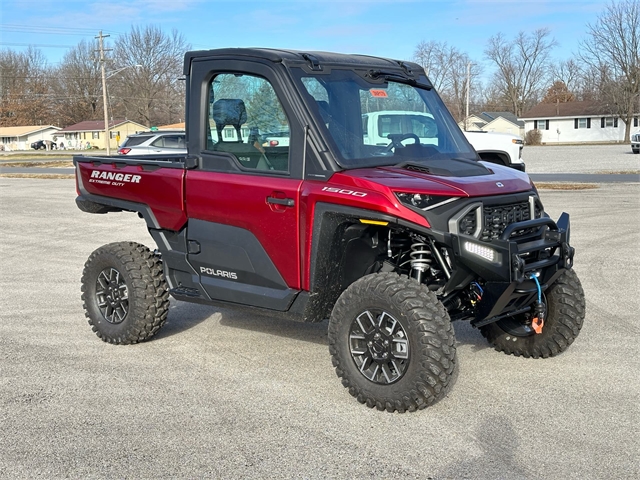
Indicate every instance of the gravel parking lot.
{"type": "Point", "coordinates": [220, 393]}
{"type": "Point", "coordinates": [580, 159]}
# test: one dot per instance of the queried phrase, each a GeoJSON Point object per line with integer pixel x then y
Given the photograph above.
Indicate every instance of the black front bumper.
{"type": "Point", "coordinates": [506, 263]}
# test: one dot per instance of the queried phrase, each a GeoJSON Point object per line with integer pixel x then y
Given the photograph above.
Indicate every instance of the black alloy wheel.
{"type": "Point", "coordinates": [391, 343]}
{"type": "Point", "coordinates": [379, 346]}
{"type": "Point", "coordinates": [124, 293]}
{"type": "Point", "coordinates": [112, 295]}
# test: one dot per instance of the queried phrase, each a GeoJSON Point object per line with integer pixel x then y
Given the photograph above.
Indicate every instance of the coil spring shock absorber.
{"type": "Point", "coordinates": [421, 259]}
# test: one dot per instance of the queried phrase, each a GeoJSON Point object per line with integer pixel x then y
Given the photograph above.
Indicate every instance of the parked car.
{"type": "Point", "coordinates": [41, 145]}
{"type": "Point", "coordinates": [635, 142]}
{"type": "Point", "coordinates": [154, 143]}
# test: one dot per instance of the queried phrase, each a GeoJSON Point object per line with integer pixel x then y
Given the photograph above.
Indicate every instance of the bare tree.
{"type": "Point", "coordinates": [491, 99]}
{"type": "Point", "coordinates": [569, 73]}
{"type": "Point", "coordinates": [149, 93]}
{"type": "Point", "coordinates": [436, 58]}
{"type": "Point", "coordinates": [522, 66]}
{"type": "Point", "coordinates": [78, 84]}
{"type": "Point", "coordinates": [613, 50]}
{"type": "Point", "coordinates": [24, 88]}
{"type": "Point", "coordinates": [455, 92]}
{"type": "Point", "coordinates": [446, 67]}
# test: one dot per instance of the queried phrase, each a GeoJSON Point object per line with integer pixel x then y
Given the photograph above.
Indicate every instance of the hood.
{"type": "Point", "coordinates": [493, 180]}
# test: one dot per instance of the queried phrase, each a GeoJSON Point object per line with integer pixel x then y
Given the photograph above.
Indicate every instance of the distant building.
{"type": "Point", "coordinates": [505, 122]}
{"type": "Point", "coordinates": [21, 138]}
{"type": "Point", "coordinates": [575, 122]}
{"type": "Point", "coordinates": [173, 126]}
{"type": "Point", "coordinates": [92, 132]}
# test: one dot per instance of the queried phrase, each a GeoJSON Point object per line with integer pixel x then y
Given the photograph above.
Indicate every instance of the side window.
{"type": "Point", "coordinates": [174, 141]}
{"type": "Point", "coordinates": [247, 120]}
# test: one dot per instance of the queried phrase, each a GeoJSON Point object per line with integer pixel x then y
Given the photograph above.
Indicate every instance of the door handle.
{"type": "Point", "coordinates": [287, 202]}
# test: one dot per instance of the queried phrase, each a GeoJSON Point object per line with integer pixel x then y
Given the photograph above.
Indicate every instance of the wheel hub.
{"type": "Point", "coordinates": [112, 295]}
{"type": "Point", "coordinates": [379, 346]}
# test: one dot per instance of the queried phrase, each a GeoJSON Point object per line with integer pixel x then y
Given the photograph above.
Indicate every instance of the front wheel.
{"type": "Point", "coordinates": [392, 343]}
{"type": "Point", "coordinates": [565, 316]}
{"type": "Point", "coordinates": [124, 293]}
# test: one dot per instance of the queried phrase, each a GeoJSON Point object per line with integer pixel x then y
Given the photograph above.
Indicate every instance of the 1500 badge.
{"type": "Point", "coordinates": [343, 191]}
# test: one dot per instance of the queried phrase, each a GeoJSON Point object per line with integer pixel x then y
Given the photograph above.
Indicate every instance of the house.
{"type": "Point", "coordinates": [21, 138]}
{"type": "Point", "coordinates": [505, 122]}
{"type": "Point", "coordinates": [173, 126]}
{"type": "Point", "coordinates": [91, 132]}
{"type": "Point", "coordinates": [574, 122]}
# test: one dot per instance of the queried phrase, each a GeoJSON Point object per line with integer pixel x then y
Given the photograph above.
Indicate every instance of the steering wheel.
{"type": "Point", "coordinates": [398, 138]}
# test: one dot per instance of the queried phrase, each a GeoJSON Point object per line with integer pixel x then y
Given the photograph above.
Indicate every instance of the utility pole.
{"type": "Point", "coordinates": [104, 91]}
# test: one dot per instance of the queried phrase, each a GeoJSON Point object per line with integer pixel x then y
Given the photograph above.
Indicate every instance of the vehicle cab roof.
{"type": "Point", "coordinates": [298, 57]}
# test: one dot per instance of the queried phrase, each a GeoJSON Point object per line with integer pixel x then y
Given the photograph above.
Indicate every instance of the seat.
{"type": "Point", "coordinates": [231, 111]}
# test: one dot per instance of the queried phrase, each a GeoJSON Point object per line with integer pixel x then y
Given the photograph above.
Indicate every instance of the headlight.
{"type": "Point", "coordinates": [422, 200]}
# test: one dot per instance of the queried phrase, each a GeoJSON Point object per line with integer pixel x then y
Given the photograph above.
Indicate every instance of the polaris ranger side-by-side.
{"type": "Point", "coordinates": [390, 242]}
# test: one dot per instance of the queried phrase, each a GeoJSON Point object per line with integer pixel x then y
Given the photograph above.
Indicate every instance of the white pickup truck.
{"type": "Point", "coordinates": [635, 142]}
{"type": "Point", "coordinates": [494, 147]}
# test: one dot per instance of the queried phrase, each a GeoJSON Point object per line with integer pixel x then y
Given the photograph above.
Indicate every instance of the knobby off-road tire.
{"type": "Point", "coordinates": [392, 343]}
{"type": "Point", "coordinates": [124, 293]}
{"type": "Point", "coordinates": [565, 315]}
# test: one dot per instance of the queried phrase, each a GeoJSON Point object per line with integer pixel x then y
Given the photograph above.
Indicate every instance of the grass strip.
{"type": "Point", "coordinates": [38, 175]}
{"type": "Point", "coordinates": [565, 186]}
{"type": "Point", "coordinates": [55, 164]}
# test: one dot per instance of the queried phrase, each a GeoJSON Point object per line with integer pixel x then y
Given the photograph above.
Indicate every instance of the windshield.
{"type": "Point", "coordinates": [375, 123]}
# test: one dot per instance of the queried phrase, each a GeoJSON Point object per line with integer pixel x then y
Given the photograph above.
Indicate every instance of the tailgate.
{"type": "Point", "coordinates": [138, 185]}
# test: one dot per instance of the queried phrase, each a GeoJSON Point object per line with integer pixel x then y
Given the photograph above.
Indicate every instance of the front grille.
{"type": "Point", "coordinates": [468, 223]}
{"type": "Point", "coordinates": [488, 222]}
{"type": "Point", "coordinates": [497, 218]}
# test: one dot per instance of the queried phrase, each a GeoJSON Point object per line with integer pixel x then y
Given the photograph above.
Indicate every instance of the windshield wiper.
{"type": "Point", "coordinates": [398, 77]}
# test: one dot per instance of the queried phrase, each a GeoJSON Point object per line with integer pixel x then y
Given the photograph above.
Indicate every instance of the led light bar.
{"type": "Point", "coordinates": [481, 251]}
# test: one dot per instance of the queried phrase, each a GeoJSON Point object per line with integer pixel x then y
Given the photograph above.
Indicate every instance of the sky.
{"type": "Point", "coordinates": [390, 28]}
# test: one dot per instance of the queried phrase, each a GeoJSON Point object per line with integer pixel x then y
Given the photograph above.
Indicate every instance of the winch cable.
{"type": "Point", "coordinates": [537, 322]}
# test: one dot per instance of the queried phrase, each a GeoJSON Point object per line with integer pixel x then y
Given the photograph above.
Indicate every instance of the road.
{"type": "Point", "coordinates": [220, 393]}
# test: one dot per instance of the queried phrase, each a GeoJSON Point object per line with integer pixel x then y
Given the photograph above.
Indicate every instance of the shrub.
{"type": "Point", "coordinates": [533, 137]}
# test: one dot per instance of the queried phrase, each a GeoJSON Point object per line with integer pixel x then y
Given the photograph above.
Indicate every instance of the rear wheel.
{"type": "Point", "coordinates": [635, 150]}
{"type": "Point", "coordinates": [392, 343]}
{"type": "Point", "coordinates": [124, 293]}
{"type": "Point", "coordinates": [565, 316]}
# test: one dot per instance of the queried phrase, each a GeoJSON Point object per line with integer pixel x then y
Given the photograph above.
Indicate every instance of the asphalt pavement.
{"type": "Point", "coordinates": [220, 393]}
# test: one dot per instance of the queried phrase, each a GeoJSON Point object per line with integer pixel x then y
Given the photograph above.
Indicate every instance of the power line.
{"type": "Point", "coordinates": [36, 45]}
{"type": "Point", "coordinates": [51, 30]}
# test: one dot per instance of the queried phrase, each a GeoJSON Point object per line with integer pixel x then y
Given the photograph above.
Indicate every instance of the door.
{"type": "Point", "coordinates": [243, 202]}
